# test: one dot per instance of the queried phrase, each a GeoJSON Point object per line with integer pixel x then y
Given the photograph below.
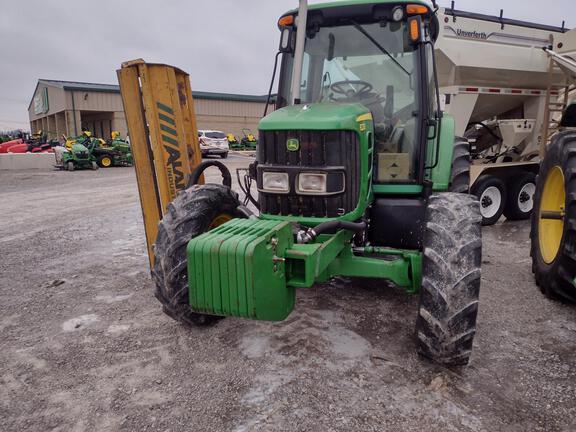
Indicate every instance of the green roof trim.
{"type": "Point", "coordinates": [114, 88]}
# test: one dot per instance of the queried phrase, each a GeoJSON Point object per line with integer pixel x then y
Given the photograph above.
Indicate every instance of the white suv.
{"type": "Point", "coordinates": [213, 143]}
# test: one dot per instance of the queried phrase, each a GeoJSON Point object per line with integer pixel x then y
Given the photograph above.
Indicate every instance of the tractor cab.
{"type": "Point", "coordinates": [370, 67]}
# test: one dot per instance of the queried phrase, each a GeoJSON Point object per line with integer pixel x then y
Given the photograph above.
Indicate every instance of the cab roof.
{"type": "Point", "coordinates": [342, 3]}
{"type": "Point", "coordinates": [338, 3]}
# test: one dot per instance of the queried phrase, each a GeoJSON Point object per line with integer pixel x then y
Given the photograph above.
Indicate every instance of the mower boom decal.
{"type": "Point", "coordinates": [171, 146]}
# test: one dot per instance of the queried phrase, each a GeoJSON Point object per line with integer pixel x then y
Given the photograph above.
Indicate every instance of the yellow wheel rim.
{"type": "Point", "coordinates": [106, 162]}
{"type": "Point", "coordinates": [551, 215]}
{"type": "Point", "coordinates": [219, 220]}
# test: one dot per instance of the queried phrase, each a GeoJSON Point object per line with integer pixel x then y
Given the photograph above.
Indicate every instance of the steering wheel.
{"type": "Point", "coordinates": [363, 88]}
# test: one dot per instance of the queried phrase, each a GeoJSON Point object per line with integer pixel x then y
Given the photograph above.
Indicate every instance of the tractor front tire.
{"type": "Point", "coordinates": [460, 176]}
{"type": "Point", "coordinates": [194, 211]}
{"type": "Point", "coordinates": [70, 166]}
{"type": "Point", "coordinates": [446, 323]}
{"type": "Point", "coordinates": [554, 238]}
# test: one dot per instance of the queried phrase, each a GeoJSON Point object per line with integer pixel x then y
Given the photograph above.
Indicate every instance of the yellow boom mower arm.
{"type": "Point", "coordinates": [163, 134]}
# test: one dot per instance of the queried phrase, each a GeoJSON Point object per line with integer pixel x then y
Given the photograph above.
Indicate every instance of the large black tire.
{"type": "Point", "coordinates": [448, 308]}
{"type": "Point", "coordinates": [492, 193]}
{"type": "Point", "coordinates": [557, 279]}
{"type": "Point", "coordinates": [192, 213]}
{"type": "Point", "coordinates": [460, 175]}
{"type": "Point", "coordinates": [520, 201]}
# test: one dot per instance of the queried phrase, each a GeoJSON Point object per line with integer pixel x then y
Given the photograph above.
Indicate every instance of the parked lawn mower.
{"type": "Point", "coordinates": [114, 152]}
{"type": "Point", "coordinates": [249, 142]}
{"type": "Point", "coordinates": [4, 147]}
{"type": "Point", "coordinates": [233, 142]}
{"type": "Point", "coordinates": [77, 153]}
{"type": "Point", "coordinates": [36, 144]}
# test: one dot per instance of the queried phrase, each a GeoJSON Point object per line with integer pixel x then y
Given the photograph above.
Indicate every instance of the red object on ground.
{"type": "Point", "coordinates": [18, 148]}
{"type": "Point", "coordinates": [5, 146]}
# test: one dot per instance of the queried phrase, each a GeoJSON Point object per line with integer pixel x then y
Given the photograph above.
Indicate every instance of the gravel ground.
{"type": "Point", "coordinates": [85, 347]}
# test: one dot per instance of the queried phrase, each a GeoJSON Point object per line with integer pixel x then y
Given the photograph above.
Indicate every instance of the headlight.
{"type": "Point", "coordinates": [312, 183]}
{"type": "Point", "coordinates": [275, 182]}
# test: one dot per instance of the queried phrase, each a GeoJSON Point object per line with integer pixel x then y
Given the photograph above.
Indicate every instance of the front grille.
{"type": "Point", "coordinates": [82, 155]}
{"type": "Point", "coordinates": [318, 150]}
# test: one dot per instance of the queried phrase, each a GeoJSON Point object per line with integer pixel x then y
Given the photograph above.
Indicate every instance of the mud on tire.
{"type": "Point", "coordinates": [556, 279]}
{"type": "Point", "coordinates": [189, 215]}
{"type": "Point", "coordinates": [446, 322]}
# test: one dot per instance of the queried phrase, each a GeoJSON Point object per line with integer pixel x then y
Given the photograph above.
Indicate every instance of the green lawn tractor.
{"type": "Point", "coordinates": [249, 141]}
{"type": "Point", "coordinates": [113, 152]}
{"type": "Point", "coordinates": [358, 174]}
{"type": "Point", "coordinates": [77, 156]}
{"type": "Point", "coordinates": [233, 142]}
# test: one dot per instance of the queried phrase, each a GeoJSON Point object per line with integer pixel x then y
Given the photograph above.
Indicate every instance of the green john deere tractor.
{"type": "Point", "coordinates": [358, 173]}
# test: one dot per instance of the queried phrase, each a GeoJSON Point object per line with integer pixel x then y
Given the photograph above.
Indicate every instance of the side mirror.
{"type": "Point", "coordinates": [287, 40]}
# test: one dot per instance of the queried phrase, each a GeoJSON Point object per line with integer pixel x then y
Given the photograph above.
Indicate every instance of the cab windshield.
{"type": "Point", "coordinates": [376, 66]}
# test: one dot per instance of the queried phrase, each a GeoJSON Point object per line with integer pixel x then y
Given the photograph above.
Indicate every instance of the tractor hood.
{"type": "Point", "coordinates": [78, 148]}
{"type": "Point", "coordinates": [320, 116]}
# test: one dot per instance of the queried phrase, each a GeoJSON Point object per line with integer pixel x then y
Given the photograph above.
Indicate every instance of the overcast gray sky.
{"type": "Point", "coordinates": [225, 45]}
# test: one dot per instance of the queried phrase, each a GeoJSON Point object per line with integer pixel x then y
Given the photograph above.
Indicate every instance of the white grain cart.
{"type": "Point", "coordinates": [503, 91]}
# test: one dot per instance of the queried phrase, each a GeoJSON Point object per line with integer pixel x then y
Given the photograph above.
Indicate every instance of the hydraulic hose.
{"type": "Point", "coordinates": [199, 170]}
{"type": "Point", "coordinates": [309, 235]}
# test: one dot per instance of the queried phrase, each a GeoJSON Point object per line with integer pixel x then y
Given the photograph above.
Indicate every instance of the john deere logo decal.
{"type": "Point", "coordinates": [293, 144]}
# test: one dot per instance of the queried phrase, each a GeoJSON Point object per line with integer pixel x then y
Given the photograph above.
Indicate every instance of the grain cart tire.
{"type": "Point", "coordinates": [460, 177]}
{"type": "Point", "coordinates": [520, 202]}
{"type": "Point", "coordinates": [554, 239]}
{"type": "Point", "coordinates": [446, 322]}
{"type": "Point", "coordinates": [491, 191]}
{"type": "Point", "coordinates": [195, 210]}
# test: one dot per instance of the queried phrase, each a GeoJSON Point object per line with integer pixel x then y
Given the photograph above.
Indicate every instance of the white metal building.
{"type": "Point", "coordinates": [66, 108]}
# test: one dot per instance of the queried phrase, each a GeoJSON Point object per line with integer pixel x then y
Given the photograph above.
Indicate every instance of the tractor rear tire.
{"type": "Point", "coordinates": [460, 177]}
{"type": "Point", "coordinates": [520, 202]}
{"type": "Point", "coordinates": [194, 211]}
{"type": "Point", "coordinates": [554, 264]}
{"type": "Point", "coordinates": [446, 323]}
